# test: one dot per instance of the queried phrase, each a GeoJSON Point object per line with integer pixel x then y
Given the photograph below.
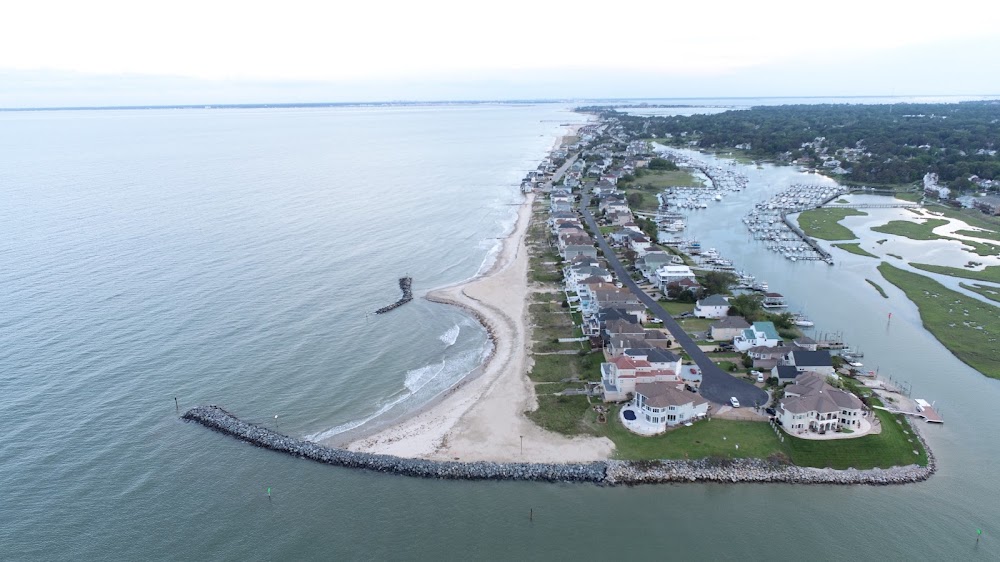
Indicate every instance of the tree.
{"type": "Point", "coordinates": [662, 164]}
{"type": "Point", "coordinates": [717, 282]}
{"type": "Point", "coordinates": [748, 306]}
{"type": "Point", "coordinates": [782, 320]}
{"type": "Point", "coordinates": [634, 199]}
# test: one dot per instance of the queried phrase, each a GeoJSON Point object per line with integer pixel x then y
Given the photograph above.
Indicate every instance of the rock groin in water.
{"type": "Point", "coordinates": [406, 285]}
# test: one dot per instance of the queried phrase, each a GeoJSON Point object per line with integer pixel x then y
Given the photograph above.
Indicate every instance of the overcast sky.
{"type": "Point", "coordinates": [108, 52]}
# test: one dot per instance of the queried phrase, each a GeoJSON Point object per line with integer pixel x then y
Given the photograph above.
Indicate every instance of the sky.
{"type": "Point", "coordinates": [110, 52]}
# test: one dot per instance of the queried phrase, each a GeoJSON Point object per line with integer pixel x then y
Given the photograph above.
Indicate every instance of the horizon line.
{"type": "Point", "coordinates": [267, 105]}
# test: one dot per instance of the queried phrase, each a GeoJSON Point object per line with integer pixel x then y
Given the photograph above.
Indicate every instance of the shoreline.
{"type": "Point", "coordinates": [482, 416]}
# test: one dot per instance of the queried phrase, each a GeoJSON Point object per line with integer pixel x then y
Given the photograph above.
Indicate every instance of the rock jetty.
{"type": "Point", "coordinates": [406, 285]}
{"type": "Point", "coordinates": [610, 472]}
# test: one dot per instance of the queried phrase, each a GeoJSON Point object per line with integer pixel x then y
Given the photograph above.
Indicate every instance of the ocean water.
{"type": "Point", "coordinates": [229, 257]}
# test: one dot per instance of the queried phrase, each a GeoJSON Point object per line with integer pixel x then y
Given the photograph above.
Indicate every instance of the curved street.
{"type": "Point", "coordinates": [716, 385]}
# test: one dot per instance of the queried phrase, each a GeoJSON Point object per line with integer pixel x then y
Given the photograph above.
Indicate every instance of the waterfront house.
{"type": "Point", "coordinates": [818, 361]}
{"type": "Point", "coordinates": [712, 306]}
{"type": "Point", "coordinates": [639, 243]}
{"type": "Point", "coordinates": [660, 405]}
{"type": "Point", "coordinates": [620, 375]}
{"type": "Point", "coordinates": [573, 275]}
{"type": "Point", "coordinates": [805, 343]}
{"type": "Point", "coordinates": [672, 273]}
{"type": "Point", "coordinates": [727, 328]}
{"type": "Point", "coordinates": [760, 334]}
{"type": "Point", "coordinates": [579, 250]}
{"type": "Point", "coordinates": [812, 405]}
{"type": "Point", "coordinates": [650, 262]}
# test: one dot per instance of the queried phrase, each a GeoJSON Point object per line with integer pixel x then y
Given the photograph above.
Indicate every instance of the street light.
{"type": "Point", "coordinates": [522, 445]}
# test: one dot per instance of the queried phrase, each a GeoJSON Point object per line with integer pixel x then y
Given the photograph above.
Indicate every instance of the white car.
{"type": "Point", "coordinates": [734, 402]}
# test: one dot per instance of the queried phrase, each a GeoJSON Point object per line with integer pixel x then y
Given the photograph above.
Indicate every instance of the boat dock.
{"type": "Point", "coordinates": [406, 284]}
{"type": "Point", "coordinates": [924, 410]}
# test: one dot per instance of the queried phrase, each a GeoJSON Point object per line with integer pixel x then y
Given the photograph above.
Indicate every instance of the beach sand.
{"type": "Point", "coordinates": [483, 418]}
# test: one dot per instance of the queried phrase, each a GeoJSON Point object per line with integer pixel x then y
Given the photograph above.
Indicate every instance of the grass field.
{"type": "Point", "coordinates": [675, 308]}
{"type": "Point", "coordinates": [854, 248]}
{"type": "Point", "coordinates": [878, 288]}
{"type": "Point", "coordinates": [913, 196]}
{"type": "Point", "coordinates": [562, 414]}
{"type": "Point", "coordinates": [823, 223]}
{"type": "Point", "coordinates": [969, 328]}
{"type": "Point", "coordinates": [987, 234]}
{"type": "Point", "coordinates": [912, 230]}
{"type": "Point", "coordinates": [660, 180]}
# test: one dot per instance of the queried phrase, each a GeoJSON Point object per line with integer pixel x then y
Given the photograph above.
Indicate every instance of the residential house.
{"type": "Point", "coordinates": [811, 404]}
{"type": "Point", "coordinates": [650, 262]}
{"type": "Point", "coordinates": [672, 273]}
{"type": "Point", "coordinates": [989, 204]}
{"type": "Point", "coordinates": [579, 250]}
{"type": "Point", "coordinates": [765, 358]}
{"type": "Point", "coordinates": [785, 374]}
{"type": "Point", "coordinates": [760, 334]}
{"type": "Point", "coordinates": [727, 328]}
{"type": "Point", "coordinates": [712, 306]}
{"type": "Point", "coordinates": [816, 361]}
{"type": "Point", "coordinates": [620, 375]}
{"type": "Point", "coordinates": [660, 405]}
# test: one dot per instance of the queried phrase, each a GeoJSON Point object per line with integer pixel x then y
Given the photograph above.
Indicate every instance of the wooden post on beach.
{"type": "Point", "coordinates": [522, 445]}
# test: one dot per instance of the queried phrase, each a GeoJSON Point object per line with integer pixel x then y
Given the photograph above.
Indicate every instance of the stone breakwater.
{"type": "Point", "coordinates": [222, 421]}
{"type": "Point", "coordinates": [405, 285]}
{"type": "Point", "coordinates": [607, 472]}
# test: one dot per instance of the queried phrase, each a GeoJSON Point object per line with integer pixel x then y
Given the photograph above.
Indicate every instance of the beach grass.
{"type": "Point", "coordinates": [854, 248]}
{"type": "Point", "coordinates": [912, 230]}
{"type": "Point", "coordinates": [562, 414]}
{"type": "Point", "coordinates": [878, 288]}
{"type": "Point", "coordinates": [969, 328]}
{"type": "Point", "coordinates": [981, 248]}
{"type": "Point", "coordinates": [556, 368]}
{"type": "Point", "coordinates": [823, 223]}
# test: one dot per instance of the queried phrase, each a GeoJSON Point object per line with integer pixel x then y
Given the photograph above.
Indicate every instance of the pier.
{"type": "Point", "coordinates": [406, 284]}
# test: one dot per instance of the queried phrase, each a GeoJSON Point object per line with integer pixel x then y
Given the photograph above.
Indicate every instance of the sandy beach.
{"type": "Point", "coordinates": [483, 418]}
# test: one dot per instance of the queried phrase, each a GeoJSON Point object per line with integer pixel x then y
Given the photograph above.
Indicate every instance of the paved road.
{"type": "Point", "coordinates": [716, 385]}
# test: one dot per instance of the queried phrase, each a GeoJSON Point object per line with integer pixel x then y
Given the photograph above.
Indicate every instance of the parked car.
{"type": "Point", "coordinates": [734, 402]}
{"type": "Point", "coordinates": [760, 377]}
{"type": "Point", "coordinates": [770, 411]}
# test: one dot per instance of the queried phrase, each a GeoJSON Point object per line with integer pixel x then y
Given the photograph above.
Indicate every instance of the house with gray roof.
{"type": "Point", "coordinates": [818, 361]}
{"type": "Point", "coordinates": [659, 405]}
{"type": "Point", "coordinates": [728, 328]}
{"type": "Point", "coordinates": [712, 306]}
{"type": "Point", "coordinates": [813, 405]}
{"type": "Point", "coordinates": [760, 334]}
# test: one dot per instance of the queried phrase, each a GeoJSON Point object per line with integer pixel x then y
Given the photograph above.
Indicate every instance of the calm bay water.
{"type": "Point", "coordinates": [228, 256]}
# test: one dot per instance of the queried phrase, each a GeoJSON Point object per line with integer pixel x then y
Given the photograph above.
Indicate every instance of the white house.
{"type": "Point", "coordinates": [672, 273]}
{"type": "Point", "coordinates": [761, 334]}
{"type": "Point", "coordinates": [712, 306]}
{"type": "Point", "coordinates": [812, 405]}
{"type": "Point", "coordinates": [621, 374]}
{"type": "Point", "coordinates": [660, 405]}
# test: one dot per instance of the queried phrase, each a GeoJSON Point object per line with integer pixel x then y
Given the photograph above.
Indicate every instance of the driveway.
{"type": "Point", "coordinates": [716, 385]}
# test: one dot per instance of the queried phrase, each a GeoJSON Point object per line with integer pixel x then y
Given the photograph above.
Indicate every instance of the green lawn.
{"type": "Point", "coordinates": [913, 196]}
{"type": "Point", "coordinates": [823, 223]}
{"type": "Point", "coordinates": [675, 308]}
{"type": "Point", "coordinates": [854, 248]}
{"type": "Point", "coordinates": [707, 438]}
{"type": "Point", "coordinates": [969, 328]}
{"type": "Point", "coordinates": [889, 448]}
{"type": "Point", "coordinates": [878, 288]}
{"type": "Point", "coordinates": [691, 325]}
{"type": "Point", "coordinates": [990, 274]}
{"type": "Point", "coordinates": [991, 293]}
{"type": "Point", "coordinates": [912, 230]}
